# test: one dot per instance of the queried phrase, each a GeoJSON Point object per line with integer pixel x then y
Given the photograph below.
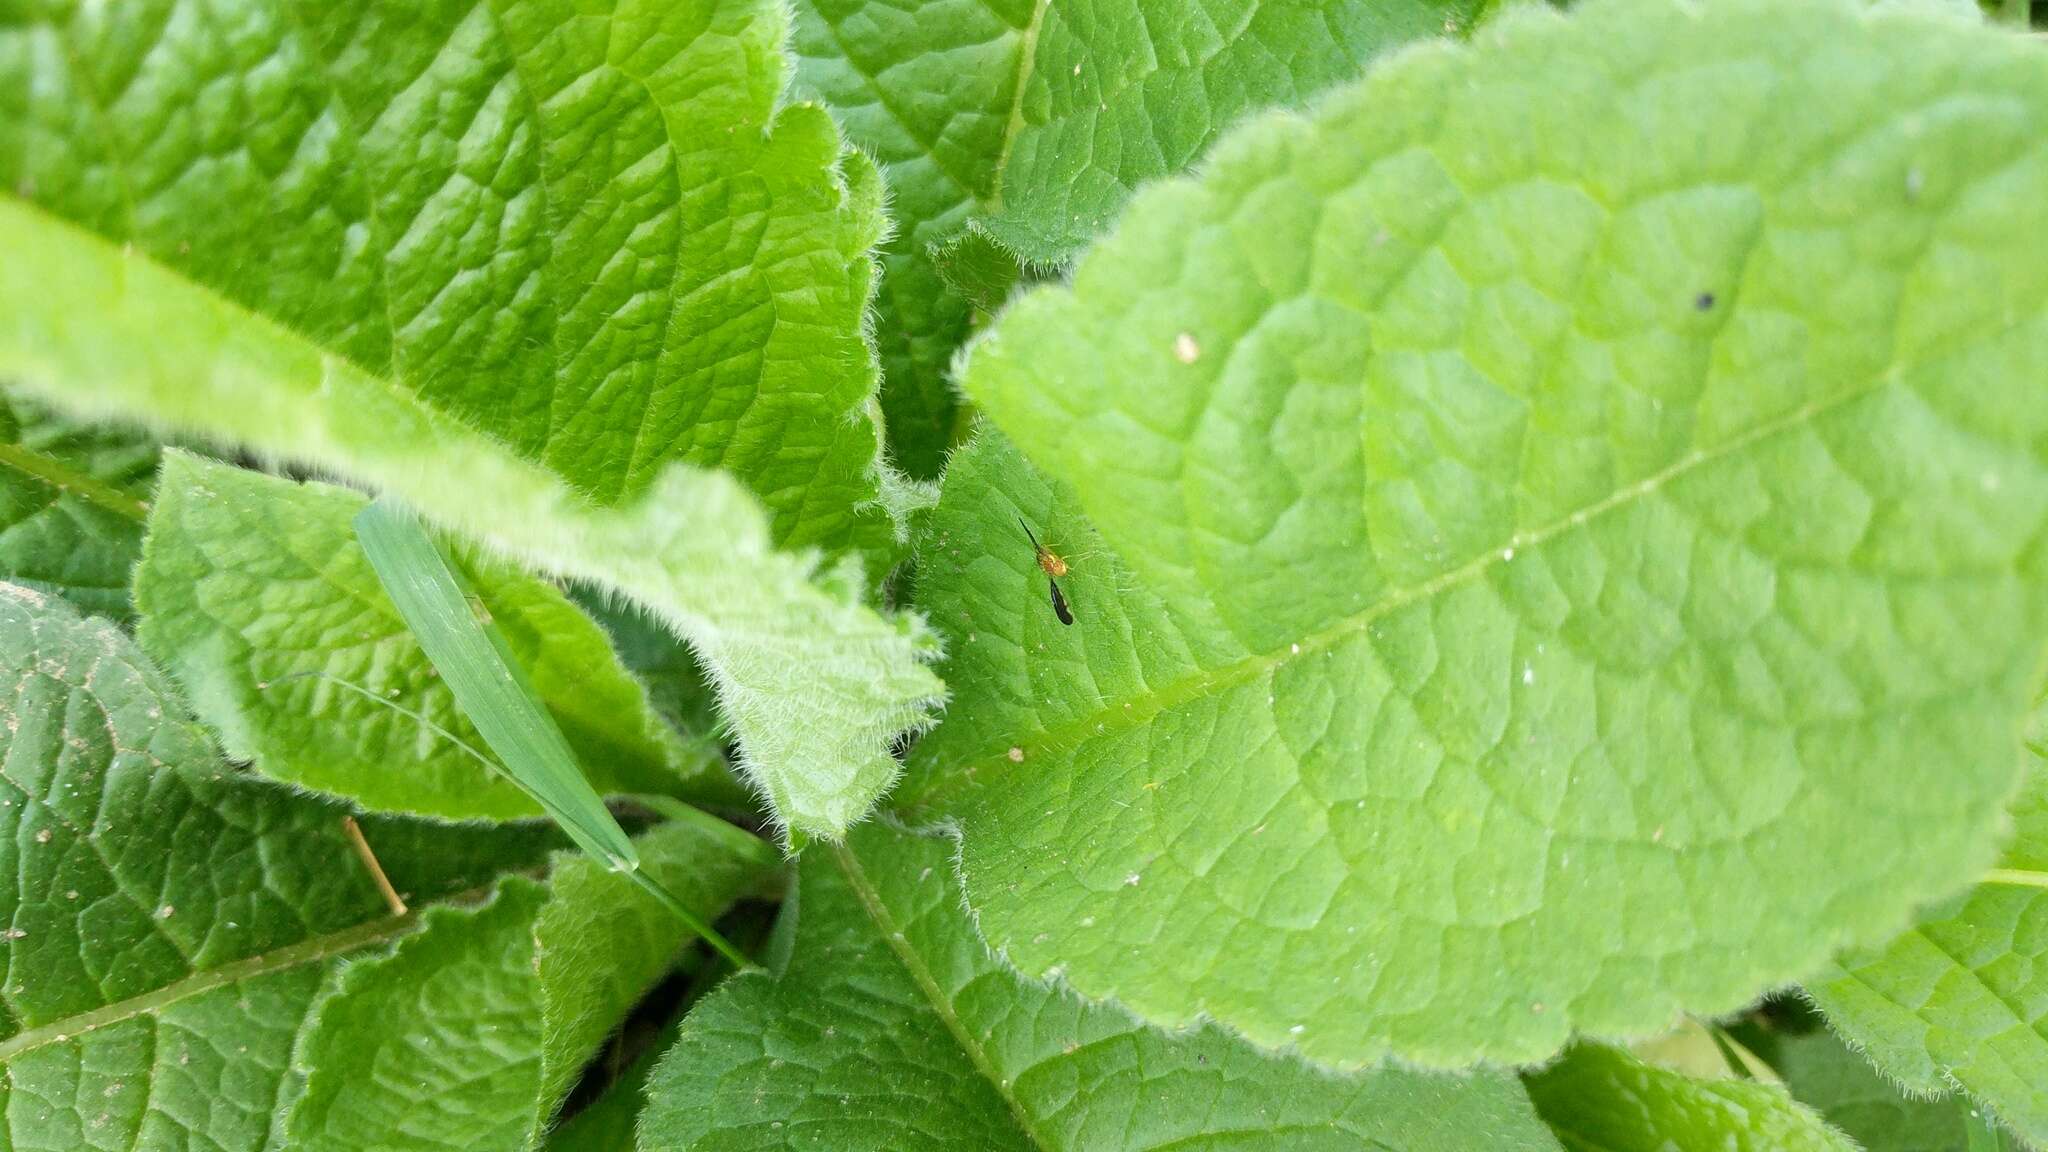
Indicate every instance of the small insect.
{"type": "Point", "coordinates": [1054, 569]}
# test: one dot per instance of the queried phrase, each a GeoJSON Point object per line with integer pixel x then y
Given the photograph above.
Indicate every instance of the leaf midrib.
{"type": "Point", "coordinates": [309, 951]}
{"type": "Point", "coordinates": [1123, 714]}
{"type": "Point", "coordinates": [1027, 62]}
{"type": "Point", "coordinates": [68, 480]}
{"type": "Point", "coordinates": [921, 975]}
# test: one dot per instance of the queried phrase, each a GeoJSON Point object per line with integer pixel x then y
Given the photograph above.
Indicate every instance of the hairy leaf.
{"type": "Point", "coordinates": [737, 296]}
{"type": "Point", "coordinates": [256, 596]}
{"type": "Point", "coordinates": [170, 923]}
{"type": "Point", "coordinates": [1825, 1075]}
{"type": "Point", "coordinates": [1554, 537]}
{"type": "Point", "coordinates": [1962, 998]}
{"type": "Point", "coordinates": [514, 995]}
{"type": "Point", "coordinates": [1601, 1099]}
{"type": "Point", "coordinates": [609, 1123]}
{"type": "Point", "coordinates": [891, 1026]}
{"type": "Point", "coordinates": [1036, 118]}
{"type": "Point", "coordinates": [815, 684]}
{"type": "Point", "coordinates": [588, 231]}
{"type": "Point", "coordinates": [676, 687]}
{"type": "Point", "coordinates": [71, 505]}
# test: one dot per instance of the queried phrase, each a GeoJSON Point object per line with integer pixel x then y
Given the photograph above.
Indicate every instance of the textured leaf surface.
{"type": "Point", "coordinates": [1601, 1099]}
{"type": "Point", "coordinates": [467, 1035]}
{"type": "Point", "coordinates": [816, 685]}
{"type": "Point", "coordinates": [71, 505]}
{"type": "Point", "coordinates": [891, 1026]}
{"type": "Point", "coordinates": [610, 1123]}
{"type": "Point", "coordinates": [256, 596]}
{"type": "Point", "coordinates": [587, 230]}
{"type": "Point", "coordinates": [1825, 1075]}
{"type": "Point", "coordinates": [169, 924]}
{"type": "Point", "coordinates": [1555, 538]}
{"type": "Point", "coordinates": [107, 319]}
{"type": "Point", "coordinates": [1038, 117]}
{"type": "Point", "coordinates": [1962, 998]}
{"type": "Point", "coordinates": [675, 685]}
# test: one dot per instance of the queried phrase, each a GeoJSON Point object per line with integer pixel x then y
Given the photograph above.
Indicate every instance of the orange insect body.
{"type": "Point", "coordinates": [1054, 568]}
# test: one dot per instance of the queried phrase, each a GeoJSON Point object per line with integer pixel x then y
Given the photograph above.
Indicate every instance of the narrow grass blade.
{"type": "Point", "coordinates": [490, 688]}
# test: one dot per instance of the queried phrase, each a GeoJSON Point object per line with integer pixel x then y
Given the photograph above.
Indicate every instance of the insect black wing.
{"type": "Point", "coordinates": [1059, 603]}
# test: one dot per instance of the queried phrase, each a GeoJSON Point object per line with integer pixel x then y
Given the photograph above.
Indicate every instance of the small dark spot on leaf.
{"type": "Point", "coordinates": [1704, 301]}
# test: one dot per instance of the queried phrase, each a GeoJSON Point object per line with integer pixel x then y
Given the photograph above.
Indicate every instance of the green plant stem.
{"type": "Point", "coordinates": [693, 921]}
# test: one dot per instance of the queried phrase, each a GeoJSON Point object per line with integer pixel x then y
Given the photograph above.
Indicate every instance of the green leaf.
{"type": "Point", "coordinates": [676, 687]}
{"type": "Point", "coordinates": [1825, 1075]}
{"type": "Point", "coordinates": [1518, 579]}
{"type": "Point", "coordinates": [1962, 998]}
{"type": "Point", "coordinates": [1601, 1099]}
{"type": "Point", "coordinates": [593, 233]}
{"type": "Point", "coordinates": [1036, 118]}
{"type": "Point", "coordinates": [891, 1026]}
{"type": "Point", "coordinates": [608, 1124]}
{"type": "Point", "coordinates": [256, 596]}
{"type": "Point", "coordinates": [156, 314]}
{"type": "Point", "coordinates": [816, 685]}
{"type": "Point", "coordinates": [515, 995]}
{"type": "Point", "coordinates": [71, 505]}
{"type": "Point", "coordinates": [170, 923]}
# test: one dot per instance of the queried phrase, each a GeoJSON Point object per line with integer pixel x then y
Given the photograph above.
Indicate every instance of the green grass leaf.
{"type": "Point", "coordinates": [1602, 1099]}
{"type": "Point", "coordinates": [516, 994]}
{"type": "Point", "coordinates": [170, 923]}
{"type": "Point", "coordinates": [155, 315]}
{"type": "Point", "coordinates": [1554, 538]}
{"type": "Point", "coordinates": [1035, 120]}
{"type": "Point", "coordinates": [469, 653]}
{"type": "Point", "coordinates": [1962, 998]}
{"type": "Point", "coordinates": [1825, 1075]}
{"type": "Point", "coordinates": [891, 1026]}
{"type": "Point", "coordinates": [71, 505]}
{"type": "Point", "coordinates": [486, 680]}
{"type": "Point", "coordinates": [254, 593]}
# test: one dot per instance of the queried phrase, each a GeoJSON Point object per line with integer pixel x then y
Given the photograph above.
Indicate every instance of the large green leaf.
{"type": "Point", "coordinates": [891, 1026]}
{"type": "Point", "coordinates": [585, 229]}
{"type": "Point", "coordinates": [169, 924]}
{"type": "Point", "coordinates": [1601, 1099]}
{"type": "Point", "coordinates": [468, 1034]}
{"type": "Point", "coordinates": [71, 505]}
{"type": "Point", "coordinates": [1036, 118]}
{"type": "Point", "coordinates": [256, 596]}
{"type": "Point", "coordinates": [1826, 1076]}
{"type": "Point", "coordinates": [267, 295]}
{"type": "Point", "coordinates": [1555, 537]}
{"type": "Point", "coordinates": [1962, 998]}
